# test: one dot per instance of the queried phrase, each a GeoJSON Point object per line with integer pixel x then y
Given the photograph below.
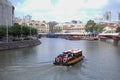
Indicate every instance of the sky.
{"type": "Point", "coordinates": [65, 10]}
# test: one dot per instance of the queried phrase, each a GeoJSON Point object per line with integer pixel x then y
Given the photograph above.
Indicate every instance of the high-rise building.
{"type": "Point", "coordinates": [28, 18]}
{"type": "Point", "coordinates": [107, 16]}
{"type": "Point", "coordinates": [6, 13]}
{"type": "Point", "coordinates": [118, 15]}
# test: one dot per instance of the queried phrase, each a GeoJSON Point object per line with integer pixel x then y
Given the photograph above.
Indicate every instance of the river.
{"type": "Point", "coordinates": [102, 61]}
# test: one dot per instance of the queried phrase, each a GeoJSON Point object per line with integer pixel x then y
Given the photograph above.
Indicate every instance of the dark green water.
{"type": "Point", "coordinates": [102, 61]}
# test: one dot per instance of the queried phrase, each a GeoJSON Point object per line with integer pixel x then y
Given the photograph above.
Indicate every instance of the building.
{"type": "Point", "coordinates": [110, 29]}
{"type": "Point", "coordinates": [107, 16]}
{"type": "Point", "coordinates": [58, 28]}
{"type": "Point", "coordinates": [6, 13]}
{"type": "Point", "coordinates": [40, 26]}
{"type": "Point", "coordinates": [75, 29]}
{"type": "Point", "coordinates": [119, 16]}
{"type": "Point", "coordinates": [70, 27]}
{"type": "Point", "coordinates": [43, 28]}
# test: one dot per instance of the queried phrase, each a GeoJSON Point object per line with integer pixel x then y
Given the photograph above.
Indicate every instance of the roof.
{"type": "Point", "coordinates": [73, 51]}
{"type": "Point", "coordinates": [111, 27]}
{"type": "Point", "coordinates": [77, 27]}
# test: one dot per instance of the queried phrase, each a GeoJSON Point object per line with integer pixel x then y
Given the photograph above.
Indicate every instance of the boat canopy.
{"type": "Point", "coordinates": [72, 51]}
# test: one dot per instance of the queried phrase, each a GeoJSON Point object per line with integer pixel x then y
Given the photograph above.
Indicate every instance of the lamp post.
{"type": "Point", "coordinates": [6, 31]}
{"type": "Point", "coordinates": [30, 25]}
{"type": "Point", "coordinates": [21, 32]}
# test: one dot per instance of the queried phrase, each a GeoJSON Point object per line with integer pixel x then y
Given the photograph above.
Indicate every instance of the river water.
{"type": "Point", "coordinates": [102, 61]}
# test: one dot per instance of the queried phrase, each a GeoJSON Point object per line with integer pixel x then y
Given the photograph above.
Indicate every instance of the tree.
{"type": "Point", "coordinates": [15, 30]}
{"type": "Point", "coordinates": [2, 31]}
{"type": "Point", "coordinates": [90, 26]}
{"type": "Point", "coordinates": [99, 27]}
{"type": "Point", "coordinates": [94, 28]}
{"type": "Point", "coordinates": [34, 31]}
{"type": "Point", "coordinates": [118, 29]}
{"type": "Point", "coordinates": [51, 25]}
{"type": "Point", "coordinates": [26, 30]}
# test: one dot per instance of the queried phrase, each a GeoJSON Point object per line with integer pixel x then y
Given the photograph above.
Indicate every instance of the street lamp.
{"type": "Point", "coordinates": [21, 32]}
{"type": "Point", "coordinates": [30, 25]}
{"type": "Point", "coordinates": [6, 31]}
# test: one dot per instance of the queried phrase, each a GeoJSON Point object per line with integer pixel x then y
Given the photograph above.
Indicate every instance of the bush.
{"type": "Point", "coordinates": [17, 39]}
{"type": "Point", "coordinates": [27, 38]}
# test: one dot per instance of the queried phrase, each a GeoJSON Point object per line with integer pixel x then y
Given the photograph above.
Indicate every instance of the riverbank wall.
{"type": "Point", "coordinates": [19, 44]}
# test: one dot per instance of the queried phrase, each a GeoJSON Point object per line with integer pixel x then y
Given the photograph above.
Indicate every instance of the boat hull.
{"type": "Point", "coordinates": [74, 38]}
{"type": "Point", "coordinates": [70, 62]}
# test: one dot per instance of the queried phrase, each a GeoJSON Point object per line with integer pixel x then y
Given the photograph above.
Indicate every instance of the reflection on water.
{"type": "Point", "coordinates": [36, 63]}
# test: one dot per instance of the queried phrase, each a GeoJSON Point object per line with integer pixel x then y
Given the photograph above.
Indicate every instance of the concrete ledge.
{"type": "Point", "coordinates": [19, 44]}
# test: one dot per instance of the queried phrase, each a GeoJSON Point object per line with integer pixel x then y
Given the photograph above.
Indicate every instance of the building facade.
{"type": "Point", "coordinates": [42, 27]}
{"type": "Point", "coordinates": [107, 16]}
{"type": "Point", "coordinates": [110, 29]}
{"type": "Point", "coordinates": [119, 16]}
{"type": "Point", "coordinates": [70, 27]}
{"type": "Point", "coordinates": [6, 13]}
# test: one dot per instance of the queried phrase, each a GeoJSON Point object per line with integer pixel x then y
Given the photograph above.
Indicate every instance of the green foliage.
{"type": "Point", "coordinates": [16, 30]}
{"type": "Point", "coordinates": [90, 23]}
{"type": "Point", "coordinates": [25, 30]}
{"type": "Point", "coordinates": [91, 26]}
{"type": "Point", "coordinates": [34, 31]}
{"type": "Point", "coordinates": [2, 31]}
{"type": "Point", "coordinates": [17, 39]}
{"type": "Point", "coordinates": [118, 29]}
{"type": "Point", "coordinates": [99, 27]}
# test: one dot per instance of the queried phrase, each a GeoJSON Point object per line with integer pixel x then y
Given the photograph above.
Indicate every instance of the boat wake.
{"type": "Point", "coordinates": [43, 71]}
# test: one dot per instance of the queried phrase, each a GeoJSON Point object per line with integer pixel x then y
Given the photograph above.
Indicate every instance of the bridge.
{"type": "Point", "coordinates": [115, 37]}
{"type": "Point", "coordinates": [111, 36]}
{"type": "Point", "coordinates": [62, 35]}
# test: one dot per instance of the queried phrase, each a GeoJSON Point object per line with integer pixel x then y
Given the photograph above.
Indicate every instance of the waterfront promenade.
{"type": "Point", "coordinates": [19, 44]}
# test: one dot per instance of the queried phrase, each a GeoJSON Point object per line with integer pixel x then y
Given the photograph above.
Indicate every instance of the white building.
{"type": "Point", "coordinates": [43, 28]}
{"type": "Point", "coordinates": [69, 27]}
{"type": "Point", "coordinates": [40, 26]}
{"type": "Point", "coordinates": [6, 13]}
{"type": "Point", "coordinates": [110, 29]}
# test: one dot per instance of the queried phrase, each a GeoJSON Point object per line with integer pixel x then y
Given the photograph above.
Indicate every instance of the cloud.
{"type": "Point", "coordinates": [61, 10]}
{"type": "Point", "coordinates": [95, 4]}
{"type": "Point", "coordinates": [34, 5]}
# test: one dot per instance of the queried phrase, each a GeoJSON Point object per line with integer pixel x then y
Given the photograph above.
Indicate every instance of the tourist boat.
{"type": "Point", "coordinates": [74, 38]}
{"type": "Point", "coordinates": [90, 39]}
{"type": "Point", "coordinates": [69, 57]}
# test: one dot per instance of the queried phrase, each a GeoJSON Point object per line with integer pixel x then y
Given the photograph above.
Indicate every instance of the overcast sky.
{"type": "Point", "coordinates": [65, 10]}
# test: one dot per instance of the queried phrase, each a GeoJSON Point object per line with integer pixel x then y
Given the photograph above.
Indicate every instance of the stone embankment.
{"type": "Point", "coordinates": [19, 44]}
